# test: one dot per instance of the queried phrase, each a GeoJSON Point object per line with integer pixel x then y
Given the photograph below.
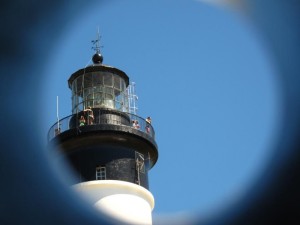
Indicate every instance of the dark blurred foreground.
{"type": "Point", "coordinates": [31, 192]}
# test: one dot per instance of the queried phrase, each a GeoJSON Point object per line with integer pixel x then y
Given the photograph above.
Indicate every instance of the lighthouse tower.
{"type": "Point", "coordinates": [110, 148]}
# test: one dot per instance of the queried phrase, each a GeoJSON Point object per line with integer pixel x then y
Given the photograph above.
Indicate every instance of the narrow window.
{"type": "Point", "coordinates": [100, 173]}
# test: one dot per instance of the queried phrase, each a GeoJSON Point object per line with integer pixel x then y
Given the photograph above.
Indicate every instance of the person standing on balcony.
{"type": "Point", "coordinates": [148, 120]}
{"type": "Point", "coordinates": [81, 121]}
{"type": "Point", "coordinates": [90, 115]}
{"type": "Point", "coordinates": [135, 124]}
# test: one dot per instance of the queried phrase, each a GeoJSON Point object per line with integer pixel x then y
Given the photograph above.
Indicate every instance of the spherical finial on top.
{"type": "Point", "coordinates": [97, 58]}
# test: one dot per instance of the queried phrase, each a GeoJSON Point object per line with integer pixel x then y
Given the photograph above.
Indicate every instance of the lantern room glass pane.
{"type": "Point", "coordinates": [97, 79]}
{"type": "Point", "coordinates": [98, 98]}
{"type": "Point", "coordinates": [88, 80]}
{"type": "Point", "coordinates": [86, 92]}
{"type": "Point", "coordinates": [98, 89]}
{"type": "Point", "coordinates": [117, 93]}
{"type": "Point", "coordinates": [74, 86]}
{"type": "Point", "coordinates": [79, 85]}
{"type": "Point", "coordinates": [108, 79]}
{"type": "Point", "coordinates": [109, 96]}
{"type": "Point", "coordinates": [109, 90]}
{"type": "Point", "coordinates": [80, 107]}
{"type": "Point", "coordinates": [117, 83]}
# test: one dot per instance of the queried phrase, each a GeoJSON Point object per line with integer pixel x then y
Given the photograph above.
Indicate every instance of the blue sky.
{"type": "Point", "coordinates": [204, 76]}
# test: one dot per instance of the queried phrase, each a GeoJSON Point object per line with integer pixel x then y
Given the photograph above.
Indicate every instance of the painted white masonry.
{"type": "Point", "coordinates": [121, 200]}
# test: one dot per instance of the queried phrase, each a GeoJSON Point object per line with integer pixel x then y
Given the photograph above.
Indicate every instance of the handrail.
{"type": "Point", "coordinates": [66, 124]}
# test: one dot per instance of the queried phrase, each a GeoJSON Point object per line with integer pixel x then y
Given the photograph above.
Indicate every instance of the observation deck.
{"type": "Point", "coordinates": [106, 121]}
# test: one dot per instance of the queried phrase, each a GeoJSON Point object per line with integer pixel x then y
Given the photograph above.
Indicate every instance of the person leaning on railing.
{"type": "Point", "coordinates": [148, 120]}
{"type": "Point", "coordinates": [90, 115]}
{"type": "Point", "coordinates": [81, 121]}
{"type": "Point", "coordinates": [135, 124]}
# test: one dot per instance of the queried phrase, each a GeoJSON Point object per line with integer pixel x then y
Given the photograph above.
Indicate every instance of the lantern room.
{"type": "Point", "coordinates": [99, 86]}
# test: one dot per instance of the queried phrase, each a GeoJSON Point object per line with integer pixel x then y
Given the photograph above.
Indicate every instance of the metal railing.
{"type": "Point", "coordinates": [73, 121]}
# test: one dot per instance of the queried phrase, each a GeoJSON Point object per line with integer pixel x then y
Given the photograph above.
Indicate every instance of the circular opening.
{"type": "Point", "coordinates": [205, 78]}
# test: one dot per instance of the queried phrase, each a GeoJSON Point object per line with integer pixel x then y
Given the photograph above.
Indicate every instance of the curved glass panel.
{"type": "Point", "coordinates": [99, 89]}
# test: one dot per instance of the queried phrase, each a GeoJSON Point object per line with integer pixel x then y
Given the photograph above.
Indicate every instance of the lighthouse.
{"type": "Point", "coordinates": [110, 148]}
